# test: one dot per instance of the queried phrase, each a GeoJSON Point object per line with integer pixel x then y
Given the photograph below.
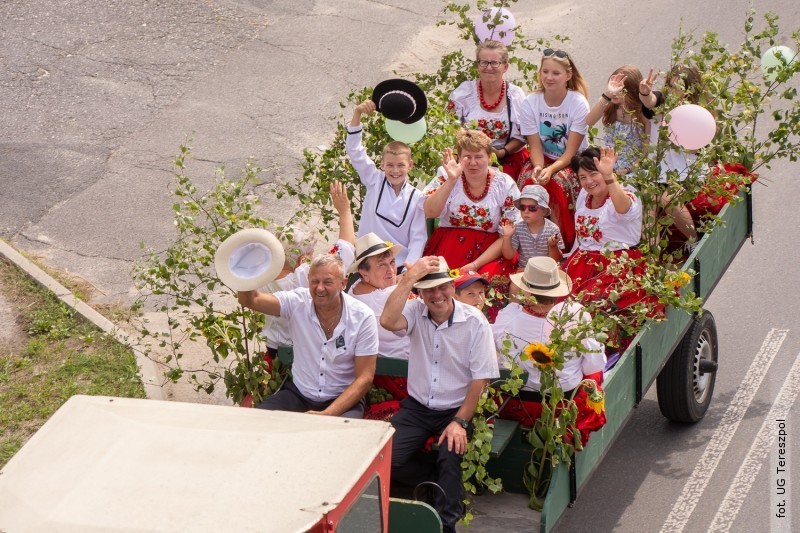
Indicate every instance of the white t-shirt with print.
{"type": "Point", "coordinates": [554, 124]}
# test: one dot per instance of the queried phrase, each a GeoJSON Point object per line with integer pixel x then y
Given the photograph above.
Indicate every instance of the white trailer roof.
{"type": "Point", "coordinates": [119, 464]}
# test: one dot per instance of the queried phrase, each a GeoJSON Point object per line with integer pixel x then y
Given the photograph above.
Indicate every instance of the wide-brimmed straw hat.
{"type": "Point", "coordinates": [434, 279]}
{"type": "Point", "coordinates": [249, 259]}
{"type": "Point", "coordinates": [369, 245]}
{"type": "Point", "coordinates": [542, 277]}
{"type": "Point", "coordinates": [401, 100]}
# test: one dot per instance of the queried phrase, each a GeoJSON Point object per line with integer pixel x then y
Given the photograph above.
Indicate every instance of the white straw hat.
{"type": "Point", "coordinates": [434, 279]}
{"type": "Point", "coordinates": [543, 277]}
{"type": "Point", "coordinates": [369, 245]}
{"type": "Point", "coordinates": [249, 259]}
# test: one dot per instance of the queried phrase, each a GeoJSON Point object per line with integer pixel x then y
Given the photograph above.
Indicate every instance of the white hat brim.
{"type": "Point", "coordinates": [249, 259]}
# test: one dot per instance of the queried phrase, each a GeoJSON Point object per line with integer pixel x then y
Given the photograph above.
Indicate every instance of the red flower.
{"type": "Point", "coordinates": [509, 202]}
{"type": "Point", "coordinates": [489, 133]}
{"type": "Point", "coordinates": [451, 105]}
{"type": "Point", "coordinates": [486, 226]}
{"type": "Point", "coordinates": [481, 211]}
{"type": "Point", "coordinates": [463, 209]}
{"type": "Point", "coordinates": [502, 135]}
{"type": "Point", "coordinates": [334, 250]}
{"type": "Point", "coordinates": [454, 221]}
{"type": "Point", "coordinates": [481, 123]}
{"type": "Point", "coordinates": [503, 220]}
{"type": "Point", "coordinates": [580, 220]}
{"type": "Point", "coordinates": [499, 124]}
{"type": "Point", "coordinates": [597, 235]}
{"type": "Point", "coordinates": [583, 231]}
{"type": "Point", "coordinates": [469, 221]}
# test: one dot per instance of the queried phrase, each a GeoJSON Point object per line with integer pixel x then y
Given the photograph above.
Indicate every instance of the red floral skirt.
{"type": "Point", "coordinates": [588, 271]}
{"type": "Point", "coordinates": [460, 246]}
{"type": "Point", "coordinates": [563, 189]}
{"type": "Point", "coordinates": [512, 164]}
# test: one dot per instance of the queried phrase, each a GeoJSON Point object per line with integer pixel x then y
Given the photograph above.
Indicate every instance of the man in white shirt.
{"type": "Point", "coordinates": [335, 343]}
{"type": "Point", "coordinates": [452, 360]}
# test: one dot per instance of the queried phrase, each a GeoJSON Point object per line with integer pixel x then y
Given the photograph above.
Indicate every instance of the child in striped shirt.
{"type": "Point", "coordinates": [535, 235]}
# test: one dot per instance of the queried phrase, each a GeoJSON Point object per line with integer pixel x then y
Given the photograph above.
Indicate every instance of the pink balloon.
{"type": "Point", "coordinates": [503, 31]}
{"type": "Point", "coordinates": [691, 126]}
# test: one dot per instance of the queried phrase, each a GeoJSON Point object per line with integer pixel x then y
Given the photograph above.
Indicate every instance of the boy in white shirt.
{"type": "Point", "coordinates": [392, 208]}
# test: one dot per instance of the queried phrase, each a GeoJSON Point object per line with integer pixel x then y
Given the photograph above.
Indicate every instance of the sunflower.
{"type": "Point", "coordinates": [540, 355]}
{"type": "Point", "coordinates": [454, 273]}
{"type": "Point", "coordinates": [596, 398]}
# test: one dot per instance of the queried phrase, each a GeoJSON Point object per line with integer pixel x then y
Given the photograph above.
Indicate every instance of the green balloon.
{"type": "Point", "coordinates": [771, 63]}
{"type": "Point", "coordinates": [407, 133]}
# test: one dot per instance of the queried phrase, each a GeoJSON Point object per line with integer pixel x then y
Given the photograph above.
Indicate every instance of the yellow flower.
{"type": "Point", "coordinates": [454, 273]}
{"type": "Point", "coordinates": [539, 354]}
{"type": "Point", "coordinates": [234, 217]}
{"type": "Point", "coordinates": [681, 279]}
{"type": "Point", "coordinates": [388, 244]}
{"type": "Point", "coordinates": [596, 399]}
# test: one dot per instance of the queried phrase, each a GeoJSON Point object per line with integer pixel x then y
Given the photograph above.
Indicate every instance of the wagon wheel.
{"type": "Point", "coordinates": [686, 383]}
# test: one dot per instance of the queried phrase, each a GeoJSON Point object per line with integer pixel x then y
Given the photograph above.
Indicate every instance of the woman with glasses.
{"type": "Point", "coordinates": [553, 120]}
{"type": "Point", "coordinates": [491, 104]}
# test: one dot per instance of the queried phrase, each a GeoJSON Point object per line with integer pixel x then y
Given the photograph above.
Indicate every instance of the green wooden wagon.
{"type": "Point", "coordinates": [679, 354]}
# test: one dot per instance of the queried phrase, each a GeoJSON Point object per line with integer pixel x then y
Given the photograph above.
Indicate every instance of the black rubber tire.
{"type": "Point", "coordinates": [684, 394]}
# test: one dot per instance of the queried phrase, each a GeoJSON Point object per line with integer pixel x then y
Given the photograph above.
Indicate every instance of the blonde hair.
{"type": "Point", "coordinates": [473, 141]}
{"type": "Point", "coordinates": [575, 83]}
{"type": "Point", "coordinates": [397, 148]}
{"type": "Point", "coordinates": [492, 45]}
{"type": "Point", "coordinates": [631, 104]}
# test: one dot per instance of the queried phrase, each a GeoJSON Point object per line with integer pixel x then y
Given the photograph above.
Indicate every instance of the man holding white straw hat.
{"type": "Point", "coordinates": [452, 359]}
{"type": "Point", "coordinates": [377, 268]}
{"type": "Point", "coordinates": [335, 343]}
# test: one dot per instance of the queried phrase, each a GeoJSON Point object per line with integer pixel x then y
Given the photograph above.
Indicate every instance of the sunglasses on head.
{"type": "Point", "coordinates": [532, 208]}
{"type": "Point", "coordinates": [561, 54]}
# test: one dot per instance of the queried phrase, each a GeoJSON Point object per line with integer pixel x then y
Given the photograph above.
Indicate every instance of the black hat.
{"type": "Point", "coordinates": [401, 100]}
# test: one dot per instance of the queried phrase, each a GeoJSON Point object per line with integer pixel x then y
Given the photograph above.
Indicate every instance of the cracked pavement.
{"type": "Point", "coordinates": [99, 98]}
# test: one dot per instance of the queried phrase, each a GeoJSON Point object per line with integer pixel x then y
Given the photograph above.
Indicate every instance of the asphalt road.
{"type": "Point", "coordinates": [98, 96]}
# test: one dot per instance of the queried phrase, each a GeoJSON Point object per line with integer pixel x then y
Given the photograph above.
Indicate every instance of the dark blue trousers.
{"type": "Point", "coordinates": [413, 424]}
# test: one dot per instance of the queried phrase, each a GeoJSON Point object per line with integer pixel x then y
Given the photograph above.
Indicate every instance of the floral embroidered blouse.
{"type": "Point", "coordinates": [605, 229]}
{"type": "Point", "coordinates": [485, 215]}
{"type": "Point", "coordinates": [464, 102]}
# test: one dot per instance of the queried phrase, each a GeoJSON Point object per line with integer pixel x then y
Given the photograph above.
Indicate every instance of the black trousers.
{"type": "Point", "coordinates": [413, 424]}
{"type": "Point", "coordinates": [290, 399]}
